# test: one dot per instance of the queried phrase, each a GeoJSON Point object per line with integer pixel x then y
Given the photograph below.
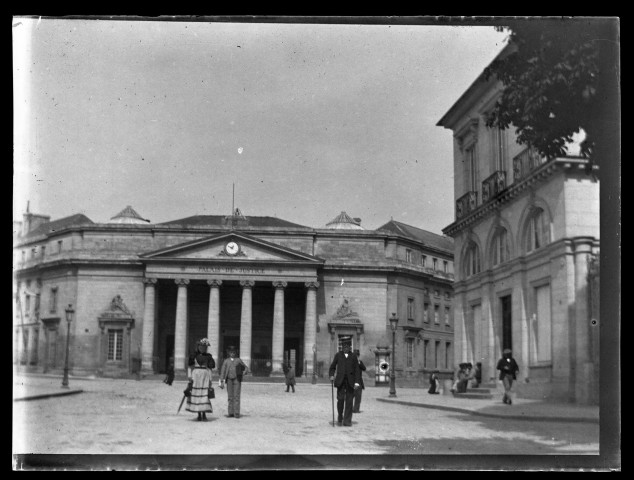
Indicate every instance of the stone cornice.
{"type": "Point", "coordinates": [491, 207]}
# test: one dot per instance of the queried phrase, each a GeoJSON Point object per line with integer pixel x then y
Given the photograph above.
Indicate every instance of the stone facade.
{"type": "Point", "coordinates": [525, 231]}
{"type": "Point", "coordinates": [275, 295]}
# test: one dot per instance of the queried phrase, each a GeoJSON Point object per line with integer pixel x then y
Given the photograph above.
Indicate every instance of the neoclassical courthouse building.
{"type": "Point", "coordinates": [142, 293]}
{"type": "Point", "coordinates": [526, 245]}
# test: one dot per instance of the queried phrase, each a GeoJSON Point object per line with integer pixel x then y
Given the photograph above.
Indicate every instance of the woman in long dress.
{"type": "Point", "coordinates": [199, 367]}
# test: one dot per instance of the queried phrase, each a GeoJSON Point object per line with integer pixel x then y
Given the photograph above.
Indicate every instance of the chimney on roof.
{"type": "Point", "coordinates": [32, 220]}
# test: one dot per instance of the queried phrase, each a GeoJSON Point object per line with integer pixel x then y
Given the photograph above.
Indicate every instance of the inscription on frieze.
{"type": "Point", "coordinates": [245, 270]}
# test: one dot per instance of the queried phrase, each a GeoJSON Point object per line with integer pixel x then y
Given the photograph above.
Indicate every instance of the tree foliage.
{"type": "Point", "coordinates": [551, 85]}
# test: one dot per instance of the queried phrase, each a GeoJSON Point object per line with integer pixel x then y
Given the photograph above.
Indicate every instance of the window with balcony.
{"type": "Point", "coordinates": [408, 255]}
{"type": "Point", "coordinates": [434, 263]}
{"type": "Point", "coordinates": [500, 251]}
{"type": "Point", "coordinates": [59, 246]}
{"type": "Point", "coordinates": [426, 312]}
{"type": "Point", "coordinates": [537, 231]}
{"type": "Point", "coordinates": [423, 260]}
{"type": "Point", "coordinates": [436, 314]}
{"type": "Point", "coordinates": [445, 266]}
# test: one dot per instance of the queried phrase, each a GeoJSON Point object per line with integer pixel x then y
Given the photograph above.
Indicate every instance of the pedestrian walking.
{"type": "Point", "coordinates": [508, 372]}
{"type": "Point", "coordinates": [199, 372]}
{"type": "Point", "coordinates": [290, 377]}
{"type": "Point", "coordinates": [359, 391]}
{"type": "Point", "coordinates": [231, 372]}
{"type": "Point", "coordinates": [169, 377]}
{"type": "Point", "coordinates": [434, 383]}
{"type": "Point", "coordinates": [347, 379]}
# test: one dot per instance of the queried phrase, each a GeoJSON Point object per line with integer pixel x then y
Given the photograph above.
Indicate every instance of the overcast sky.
{"type": "Point", "coordinates": [306, 120]}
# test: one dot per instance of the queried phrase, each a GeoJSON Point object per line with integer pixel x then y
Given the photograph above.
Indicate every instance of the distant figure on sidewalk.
{"type": "Point", "coordinates": [359, 391]}
{"type": "Point", "coordinates": [347, 379]}
{"type": "Point", "coordinates": [169, 378]}
{"type": "Point", "coordinates": [231, 373]}
{"type": "Point", "coordinates": [476, 376]}
{"type": "Point", "coordinates": [508, 372]}
{"type": "Point", "coordinates": [290, 377]}
{"type": "Point", "coordinates": [461, 379]}
{"type": "Point", "coordinates": [434, 383]}
{"type": "Point", "coordinates": [199, 368]}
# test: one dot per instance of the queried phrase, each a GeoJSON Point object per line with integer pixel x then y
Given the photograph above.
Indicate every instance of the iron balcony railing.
{"type": "Point", "coordinates": [524, 163]}
{"type": "Point", "coordinates": [493, 185]}
{"type": "Point", "coordinates": [467, 203]}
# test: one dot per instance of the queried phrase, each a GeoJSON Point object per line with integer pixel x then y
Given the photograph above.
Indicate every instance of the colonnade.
{"type": "Point", "coordinates": [213, 323]}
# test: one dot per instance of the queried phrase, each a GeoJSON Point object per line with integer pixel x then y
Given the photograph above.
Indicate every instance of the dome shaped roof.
{"type": "Point", "coordinates": [344, 222]}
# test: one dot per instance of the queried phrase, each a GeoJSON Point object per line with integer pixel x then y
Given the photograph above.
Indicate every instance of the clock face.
{"type": "Point", "coordinates": [232, 248]}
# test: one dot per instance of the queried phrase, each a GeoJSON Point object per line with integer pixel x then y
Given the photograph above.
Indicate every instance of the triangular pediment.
{"type": "Point", "coordinates": [246, 248]}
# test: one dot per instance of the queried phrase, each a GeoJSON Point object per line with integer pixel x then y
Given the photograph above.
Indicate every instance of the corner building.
{"type": "Point", "coordinates": [280, 292]}
{"type": "Point", "coordinates": [526, 235]}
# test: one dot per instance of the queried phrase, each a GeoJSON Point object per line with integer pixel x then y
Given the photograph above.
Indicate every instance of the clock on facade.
{"type": "Point", "coordinates": [232, 248]}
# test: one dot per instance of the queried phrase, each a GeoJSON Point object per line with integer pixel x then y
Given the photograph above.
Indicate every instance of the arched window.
{"type": "Point", "coordinates": [537, 232]}
{"type": "Point", "coordinates": [472, 260]}
{"type": "Point", "coordinates": [500, 251]}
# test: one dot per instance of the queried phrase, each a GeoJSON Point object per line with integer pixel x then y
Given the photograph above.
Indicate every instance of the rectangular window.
{"type": "Point", "coordinates": [426, 312]}
{"type": "Point", "coordinates": [447, 355]}
{"type": "Point", "coordinates": [472, 165]}
{"type": "Point", "coordinates": [410, 309]}
{"type": "Point", "coordinates": [23, 256]}
{"type": "Point", "coordinates": [425, 352]}
{"type": "Point", "coordinates": [59, 246]}
{"type": "Point", "coordinates": [53, 300]}
{"type": "Point", "coordinates": [499, 147]}
{"type": "Point", "coordinates": [445, 266]}
{"type": "Point", "coordinates": [115, 345]}
{"type": "Point", "coordinates": [447, 316]}
{"type": "Point", "coordinates": [33, 252]}
{"type": "Point", "coordinates": [408, 255]}
{"type": "Point", "coordinates": [541, 328]}
{"type": "Point", "coordinates": [27, 305]}
{"type": "Point", "coordinates": [423, 260]}
{"type": "Point", "coordinates": [436, 314]}
{"type": "Point", "coordinates": [410, 352]}
{"type": "Point", "coordinates": [436, 353]}
{"type": "Point", "coordinates": [345, 338]}
{"type": "Point", "coordinates": [434, 263]}
{"type": "Point", "coordinates": [42, 251]}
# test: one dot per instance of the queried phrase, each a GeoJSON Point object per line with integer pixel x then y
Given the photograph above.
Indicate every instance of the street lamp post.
{"type": "Point", "coordinates": [314, 364]}
{"type": "Point", "coordinates": [393, 325]}
{"type": "Point", "coordinates": [69, 318]}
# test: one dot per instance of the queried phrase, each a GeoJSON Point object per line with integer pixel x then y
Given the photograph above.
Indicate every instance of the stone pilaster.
{"type": "Point", "coordinates": [278, 328]}
{"type": "Point", "coordinates": [246, 321]}
{"type": "Point", "coordinates": [180, 333]}
{"type": "Point", "coordinates": [213, 319]}
{"type": "Point", "coordinates": [149, 320]}
{"type": "Point", "coordinates": [310, 325]}
{"type": "Point", "coordinates": [584, 366]}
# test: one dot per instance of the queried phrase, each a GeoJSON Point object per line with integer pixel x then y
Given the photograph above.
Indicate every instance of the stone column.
{"type": "Point", "coordinates": [246, 321]}
{"type": "Point", "coordinates": [310, 325]}
{"type": "Point", "coordinates": [213, 319]}
{"type": "Point", "coordinates": [584, 366]}
{"type": "Point", "coordinates": [180, 333]}
{"type": "Point", "coordinates": [278, 328]}
{"type": "Point", "coordinates": [147, 341]}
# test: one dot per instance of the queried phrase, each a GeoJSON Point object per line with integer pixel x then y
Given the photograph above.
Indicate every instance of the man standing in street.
{"type": "Point", "coordinates": [231, 373]}
{"type": "Point", "coordinates": [508, 372]}
{"type": "Point", "coordinates": [347, 380]}
{"type": "Point", "coordinates": [359, 391]}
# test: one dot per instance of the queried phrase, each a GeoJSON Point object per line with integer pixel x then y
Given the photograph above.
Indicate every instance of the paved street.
{"type": "Point", "coordinates": [140, 417]}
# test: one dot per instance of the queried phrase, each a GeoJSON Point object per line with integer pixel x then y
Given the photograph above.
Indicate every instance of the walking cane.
{"type": "Point", "coordinates": [181, 405]}
{"type": "Point", "coordinates": [332, 385]}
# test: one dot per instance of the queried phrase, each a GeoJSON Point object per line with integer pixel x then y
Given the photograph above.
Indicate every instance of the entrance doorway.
{"type": "Point", "coordinates": [169, 351]}
{"type": "Point", "coordinates": [507, 330]}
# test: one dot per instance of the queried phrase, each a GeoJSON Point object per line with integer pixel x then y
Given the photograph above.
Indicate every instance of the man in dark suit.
{"type": "Point", "coordinates": [359, 391]}
{"type": "Point", "coordinates": [347, 380]}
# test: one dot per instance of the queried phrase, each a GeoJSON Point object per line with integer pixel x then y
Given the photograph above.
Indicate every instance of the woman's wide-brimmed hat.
{"type": "Point", "coordinates": [204, 341]}
{"type": "Point", "coordinates": [507, 350]}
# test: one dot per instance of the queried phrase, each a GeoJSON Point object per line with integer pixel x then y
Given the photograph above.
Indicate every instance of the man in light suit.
{"type": "Point", "coordinates": [347, 380]}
